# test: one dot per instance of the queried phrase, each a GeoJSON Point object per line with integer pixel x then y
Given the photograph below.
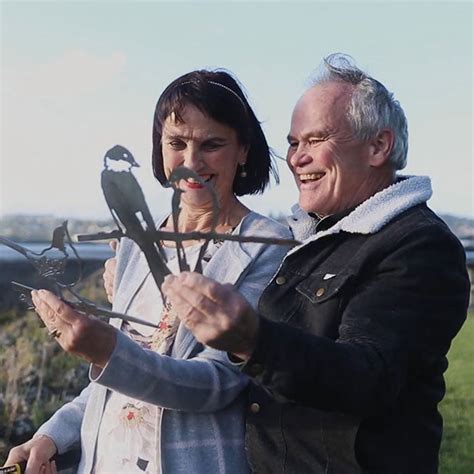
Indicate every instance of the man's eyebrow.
{"type": "Point", "coordinates": [311, 133]}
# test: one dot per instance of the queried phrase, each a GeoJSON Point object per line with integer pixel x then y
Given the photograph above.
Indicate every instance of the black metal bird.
{"type": "Point", "coordinates": [117, 181]}
{"type": "Point", "coordinates": [176, 176]}
{"type": "Point", "coordinates": [50, 263]}
{"type": "Point", "coordinates": [129, 209]}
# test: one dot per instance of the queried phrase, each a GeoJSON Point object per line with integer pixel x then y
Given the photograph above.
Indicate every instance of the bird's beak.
{"type": "Point", "coordinates": [135, 164]}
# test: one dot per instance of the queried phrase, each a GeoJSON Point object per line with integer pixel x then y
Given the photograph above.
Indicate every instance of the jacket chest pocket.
{"type": "Point", "coordinates": [322, 297]}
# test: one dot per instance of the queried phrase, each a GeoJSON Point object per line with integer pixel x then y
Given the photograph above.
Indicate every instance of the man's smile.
{"type": "Point", "coordinates": [310, 177]}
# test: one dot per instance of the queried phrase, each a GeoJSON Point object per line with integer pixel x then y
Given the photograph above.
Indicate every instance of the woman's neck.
{"type": "Point", "coordinates": [201, 219]}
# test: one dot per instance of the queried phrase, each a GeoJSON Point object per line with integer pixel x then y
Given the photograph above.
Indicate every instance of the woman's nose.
{"type": "Point", "coordinates": [192, 158]}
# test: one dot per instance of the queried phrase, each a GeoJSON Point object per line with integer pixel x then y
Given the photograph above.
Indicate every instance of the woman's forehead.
{"type": "Point", "coordinates": [193, 123]}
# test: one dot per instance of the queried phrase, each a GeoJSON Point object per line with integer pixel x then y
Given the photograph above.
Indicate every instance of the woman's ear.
{"type": "Point", "coordinates": [243, 154]}
{"type": "Point", "coordinates": [380, 147]}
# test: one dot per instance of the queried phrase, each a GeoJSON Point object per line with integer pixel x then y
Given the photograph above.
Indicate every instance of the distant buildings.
{"type": "Point", "coordinates": [38, 228]}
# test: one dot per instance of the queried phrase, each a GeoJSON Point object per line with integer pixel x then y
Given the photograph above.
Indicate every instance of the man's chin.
{"type": "Point", "coordinates": [308, 206]}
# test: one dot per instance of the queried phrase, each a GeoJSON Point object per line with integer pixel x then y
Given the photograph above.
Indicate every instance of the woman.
{"type": "Point", "coordinates": [159, 401]}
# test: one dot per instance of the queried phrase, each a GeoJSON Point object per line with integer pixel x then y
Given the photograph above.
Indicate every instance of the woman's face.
{"type": "Point", "coordinates": [207, 147]}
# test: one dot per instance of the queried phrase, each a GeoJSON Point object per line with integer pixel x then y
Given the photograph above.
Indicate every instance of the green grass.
{"type": "Point", "coordinates": [457, 408]}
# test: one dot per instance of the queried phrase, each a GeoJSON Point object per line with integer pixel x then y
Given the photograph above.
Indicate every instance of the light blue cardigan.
{"type": "Point", "coordinates": [202, 393]}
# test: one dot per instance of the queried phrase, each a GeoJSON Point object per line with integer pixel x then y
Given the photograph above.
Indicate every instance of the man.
{"type": "Point", "coordinates": [348, 350]}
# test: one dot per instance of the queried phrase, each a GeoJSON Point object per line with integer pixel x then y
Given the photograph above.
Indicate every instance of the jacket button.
{"type": "Point", "coordinates": [281, 280]}
{"type": "Point", "coordinates": [320, 292]}
{"type": "Point", "coordinates": [254, 407]}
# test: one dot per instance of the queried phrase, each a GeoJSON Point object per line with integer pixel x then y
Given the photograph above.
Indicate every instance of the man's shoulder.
{"type": "Point", "coordinates": [420, 217]}
{"type": "Point", "coordinates": [422, 224]}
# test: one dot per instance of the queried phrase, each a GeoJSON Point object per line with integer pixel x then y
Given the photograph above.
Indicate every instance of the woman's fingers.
{"type": "Point", "coordinates": [109, 272]}
{"type": "Point", "coordinates": [53, 311]}
{"type": "Point", "coordinates": [200, 284]}
{"type": "Point", "coordinates": [17, 454]}
{"type": "Point", "coordinates": [109, 277]}
{"type": "Point", "coordinates": [49, 468]}
{"type": "Point", "coordinates": [216, 314]}
{"type": "Point", "coordinates": [77, 333]}
{"type": "Point", "coordinates": [36, 452]}
{"type": "Point", "coordinates": [42, 449]}
{"type": "Point", "coordinates": [194, 297]}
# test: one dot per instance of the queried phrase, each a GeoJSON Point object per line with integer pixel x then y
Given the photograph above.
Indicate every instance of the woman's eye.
{"type": "Point", "coordinates": [212, 146]}
{"type": "Point", "coordinates": [177, 145]}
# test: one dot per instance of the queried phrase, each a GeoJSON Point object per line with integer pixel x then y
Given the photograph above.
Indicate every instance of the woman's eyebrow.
{"type": "Point", "coordinates": [175, 136]}
{"type": "Point", "coordinates": [216, 138]}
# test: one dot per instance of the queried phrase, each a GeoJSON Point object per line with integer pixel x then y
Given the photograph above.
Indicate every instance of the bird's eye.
{"type": "Point", "coordinates": [125, 155]}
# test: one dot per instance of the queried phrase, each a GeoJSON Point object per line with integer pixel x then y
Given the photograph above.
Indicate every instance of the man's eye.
{"type": "Point", "coordinates": [314, 141]}
{"type": "Point", "coordinates": [292, 144]}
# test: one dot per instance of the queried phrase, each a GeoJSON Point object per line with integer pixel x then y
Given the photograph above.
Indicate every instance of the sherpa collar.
{"type": "Point", "coordinates": [370, 216]}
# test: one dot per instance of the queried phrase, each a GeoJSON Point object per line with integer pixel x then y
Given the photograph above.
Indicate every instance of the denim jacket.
{"type": "Point", "coordinates": [355, 327]}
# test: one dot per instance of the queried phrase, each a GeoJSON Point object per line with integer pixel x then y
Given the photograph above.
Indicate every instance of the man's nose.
{"type": "Point", "coordinates": [299, 157]}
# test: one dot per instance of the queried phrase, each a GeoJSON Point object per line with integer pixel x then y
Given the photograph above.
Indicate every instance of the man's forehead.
{"type": "Point", "coordinates": [328, 94]}
{"type": "Point", "coordinates": [322, 107]}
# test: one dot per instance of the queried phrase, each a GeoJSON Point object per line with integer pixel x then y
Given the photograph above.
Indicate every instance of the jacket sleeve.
{"type": "Point", "coordinates": [64, 427]}
{"type": "Point", "coordinates": [204, 383]}
{"type": "Point", "coordinates": [398, 323]}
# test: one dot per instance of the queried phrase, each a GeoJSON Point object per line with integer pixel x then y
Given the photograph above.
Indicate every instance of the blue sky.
{"type": "Point", "coordinates": [78, 77]}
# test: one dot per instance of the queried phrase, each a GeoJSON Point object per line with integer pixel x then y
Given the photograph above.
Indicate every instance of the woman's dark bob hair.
{"type": "Point", "coordinates": [203, 89]}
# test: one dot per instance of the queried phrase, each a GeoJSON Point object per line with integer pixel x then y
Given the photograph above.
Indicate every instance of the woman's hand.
{"type": "Point", "coordinates": [109, 272]}
{"type": "Point", "coordinates": [37, 452]}
{"type": "Point", "coordinates": [216, 314]}
{"type": "Point", "coordinates": [77, 333]}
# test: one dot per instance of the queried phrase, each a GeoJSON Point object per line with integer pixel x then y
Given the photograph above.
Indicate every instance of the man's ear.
{"type": "Point", "coordinates": [380, 147]}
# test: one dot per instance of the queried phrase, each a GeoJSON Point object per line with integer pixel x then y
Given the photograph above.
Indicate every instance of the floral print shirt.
{"type": "Point", "coordinates": [129, 434]}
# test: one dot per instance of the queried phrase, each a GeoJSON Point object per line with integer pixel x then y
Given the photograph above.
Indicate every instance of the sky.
{"type": "Point", "coordinates": [78, 77]}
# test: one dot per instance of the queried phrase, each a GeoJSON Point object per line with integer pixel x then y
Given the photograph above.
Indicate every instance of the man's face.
{"type": "Point", "coordinates": [331, 167]}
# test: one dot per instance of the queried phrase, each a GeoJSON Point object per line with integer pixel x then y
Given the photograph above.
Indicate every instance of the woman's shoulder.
{"type": "Point", "coordinates": [257, 224]}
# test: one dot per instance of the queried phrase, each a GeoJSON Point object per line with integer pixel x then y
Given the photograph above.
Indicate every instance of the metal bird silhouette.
{"type": "Point", "coordinates": [50, 263]}
{"type": "Point", "coordinates": [127, 204]}
{"type": "Point", "coordinates": [183, 173]}
{"type": "Point", "coordinates": [51, 267]}
{"type": "Point", "coordinates": [130, 212]}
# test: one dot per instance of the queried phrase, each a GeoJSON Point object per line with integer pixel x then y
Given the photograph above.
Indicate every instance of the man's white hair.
{"type": "Point", "coordinates": [371, 108]}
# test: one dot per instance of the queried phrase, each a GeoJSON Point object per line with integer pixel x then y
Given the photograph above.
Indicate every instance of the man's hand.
{"type": "Point", "coordinates": [77, 333]}
{"type": "Point", "coordinates": [36, 452]}
{"type": "Point", "coordinates": [109, 272]}
{"type": "Point", "coordinates": [216, 314]}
